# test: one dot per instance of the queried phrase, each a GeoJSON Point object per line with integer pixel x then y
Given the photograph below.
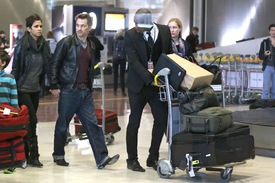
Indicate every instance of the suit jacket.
{"type": "Point", "coordinates": [136, 50]}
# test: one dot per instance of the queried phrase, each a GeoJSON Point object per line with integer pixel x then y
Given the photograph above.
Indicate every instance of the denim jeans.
{"type": "Point", "coordinates": [268, 78]}
{"type": "Point", "coordinates": [79, 102]}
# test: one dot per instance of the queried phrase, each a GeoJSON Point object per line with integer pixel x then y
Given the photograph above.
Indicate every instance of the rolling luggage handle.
{"type": "Point", "coordinates": [101, 65]}
{"type": "Point", "coordinates": [108, 137]}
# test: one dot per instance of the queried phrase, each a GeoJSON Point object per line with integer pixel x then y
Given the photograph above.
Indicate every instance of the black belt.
{"type": "Point", "coordinates": [81, 86]}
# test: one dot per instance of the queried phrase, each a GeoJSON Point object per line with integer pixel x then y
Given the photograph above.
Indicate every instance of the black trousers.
{"type": "Point", "coordinates": [159, 109]}
{"type": "Point", "coordinates": [119, 65]}
{"type": "Point", "coordinates": [31, 100]}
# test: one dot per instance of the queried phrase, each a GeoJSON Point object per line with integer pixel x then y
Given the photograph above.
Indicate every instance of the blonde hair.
{"type": "Point", "coordinates": [178, 22]}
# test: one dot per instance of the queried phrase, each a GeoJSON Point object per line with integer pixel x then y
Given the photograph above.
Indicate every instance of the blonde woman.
{"type": "Point", "coordinates": [180, 46]}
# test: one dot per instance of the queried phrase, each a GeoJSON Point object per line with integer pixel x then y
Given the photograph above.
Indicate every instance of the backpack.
{"type": "Point", "coordinates": [119, 51]}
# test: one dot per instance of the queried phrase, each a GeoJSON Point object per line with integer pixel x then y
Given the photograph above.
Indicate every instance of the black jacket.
{"type": "Point", "coordinates": [98, 46]}
{"type": "Point", "coordinates": [65, 63]}
{"type": "Point", "coordinates": [138, 75]}
{"type": "Point", "coordinates": [22, 60]}
{"type": "Point", "coordinates": [194, 41]}
{"type": "Point", "coordinates": [265, 45]}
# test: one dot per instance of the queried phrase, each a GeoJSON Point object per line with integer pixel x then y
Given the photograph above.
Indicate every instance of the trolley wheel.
{"type": "Point", "coordinates": [24, 164]}
{"type": "Point", "coordinates": [163, 175]}
{"type": "Point", "coordinates": [164, 169]}
{"type": "Point", "coordinates": [109, 138]}
{"type": "Point", "coordinates": [226, 174]}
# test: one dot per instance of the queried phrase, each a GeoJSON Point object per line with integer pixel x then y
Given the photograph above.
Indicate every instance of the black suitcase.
{"type": "Point", "coordinates": [233, 145]}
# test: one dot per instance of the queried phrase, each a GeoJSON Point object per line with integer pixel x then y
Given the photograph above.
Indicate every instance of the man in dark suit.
{"type": "Point", "coordinates": [142, 55]}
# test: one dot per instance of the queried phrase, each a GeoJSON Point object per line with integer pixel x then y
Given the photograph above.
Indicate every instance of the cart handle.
{"type": "Point", "coordinates": [162, 72]}
{"type": "Point", "coordinates": [156, 80]}
{"type": "Point", "coordinates": [100, 65]}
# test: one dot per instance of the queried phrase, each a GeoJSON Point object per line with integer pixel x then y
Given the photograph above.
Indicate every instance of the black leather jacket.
{"type": "Point", "coordinates": [65, 63]}
{"type": "Point", "coordinates": [22, 60]}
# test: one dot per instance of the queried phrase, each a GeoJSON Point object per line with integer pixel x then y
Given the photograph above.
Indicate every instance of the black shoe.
{"type": "Point", "coordinates": [134, 165]}
{"type": "Point", "coordinates": [124, 94]}
{"type": "Point", "coordinates": [153, 164]}
{"type": "Point", "coordinates": [61, 162]}
{"type": "Point", "coordinates": [34, 162]}
{"type": "Point", "coordinates": [108, 161]}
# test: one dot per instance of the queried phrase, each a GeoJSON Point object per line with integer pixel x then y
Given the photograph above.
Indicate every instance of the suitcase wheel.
{"type": "Point", "coordinates": [226, 174]}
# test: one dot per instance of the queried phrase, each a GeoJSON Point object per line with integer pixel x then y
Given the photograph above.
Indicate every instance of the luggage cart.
{"type": "Point", "coordinates": [251, 80]}
{"type": "Point", "coordinates": [109, 134]}
{"type": "Point", "coordinates": [165, 166]}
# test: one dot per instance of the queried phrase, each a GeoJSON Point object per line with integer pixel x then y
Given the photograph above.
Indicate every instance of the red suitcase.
{"type": "Point", "coordinates": [13, 122]}
{"type": "Point", "coordinates": [11, 152]}
{"type": "Point", "coordinates": [111, 122]}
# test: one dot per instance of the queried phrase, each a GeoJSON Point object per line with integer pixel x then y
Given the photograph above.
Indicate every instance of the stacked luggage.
{"type": "Point", "coordinates": [208, 138]}
{"type": "Point", "coordinates": [13, 127]}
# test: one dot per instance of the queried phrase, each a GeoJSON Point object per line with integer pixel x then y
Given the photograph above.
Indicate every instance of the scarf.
{"type": "Point", "coordinates": [181, 46]}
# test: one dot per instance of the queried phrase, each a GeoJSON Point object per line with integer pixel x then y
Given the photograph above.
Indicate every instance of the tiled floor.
{"type": "Point", "coordinates": [82, 167]}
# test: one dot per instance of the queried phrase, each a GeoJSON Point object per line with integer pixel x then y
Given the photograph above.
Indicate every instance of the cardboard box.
{"type": "Point", "coordinates": [195, 75]}
{"type": "Point", "coordinates": [176, 75]}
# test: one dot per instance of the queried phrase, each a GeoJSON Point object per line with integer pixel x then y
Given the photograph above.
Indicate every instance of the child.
{"type": "Point", "coordinates": [8, 90]}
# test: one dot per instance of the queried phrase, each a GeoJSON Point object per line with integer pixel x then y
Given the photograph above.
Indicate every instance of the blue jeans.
{"type": "Point", "coordinates": [268, 78]}
{"type": "Point", "coordinates": [79, 102]}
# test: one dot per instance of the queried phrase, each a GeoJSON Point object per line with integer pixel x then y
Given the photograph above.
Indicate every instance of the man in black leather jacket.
{"type": "Point", "coordinates": [71, 78]}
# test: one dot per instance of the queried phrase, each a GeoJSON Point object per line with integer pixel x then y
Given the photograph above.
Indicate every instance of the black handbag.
{"type": "Point", "coordinates": [194, 101]}
{"type": "Point", "coordinates": [215, 70]}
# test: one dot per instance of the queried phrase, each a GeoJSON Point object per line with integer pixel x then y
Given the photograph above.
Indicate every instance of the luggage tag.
{"type": "Point", "coordinates": [6, 111]}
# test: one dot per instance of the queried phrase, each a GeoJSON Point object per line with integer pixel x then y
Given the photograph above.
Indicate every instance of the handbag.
{"type": "Point", "coordinates": [215, 70]}
{"type": "Point", "coordinates": [194, 101]}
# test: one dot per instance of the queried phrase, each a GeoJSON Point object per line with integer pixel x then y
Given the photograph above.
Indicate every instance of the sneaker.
{"type": "Point", "coordinates": [10, 170]}
{"type": "Point", "coordinates": [108, 161]}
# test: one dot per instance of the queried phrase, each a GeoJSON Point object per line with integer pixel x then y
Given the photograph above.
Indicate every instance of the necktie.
{"type": "Point", "coordinates": [150, 39]}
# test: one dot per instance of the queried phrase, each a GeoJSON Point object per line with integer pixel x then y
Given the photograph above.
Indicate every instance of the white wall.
{"type": "Point", "coordinates": [248, 47]}
{"type": "Point", "coordinates": [16, 11]}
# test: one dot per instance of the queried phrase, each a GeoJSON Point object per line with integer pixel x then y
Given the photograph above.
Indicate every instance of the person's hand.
{"type": "Point", "coordinates": [55, 92]}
